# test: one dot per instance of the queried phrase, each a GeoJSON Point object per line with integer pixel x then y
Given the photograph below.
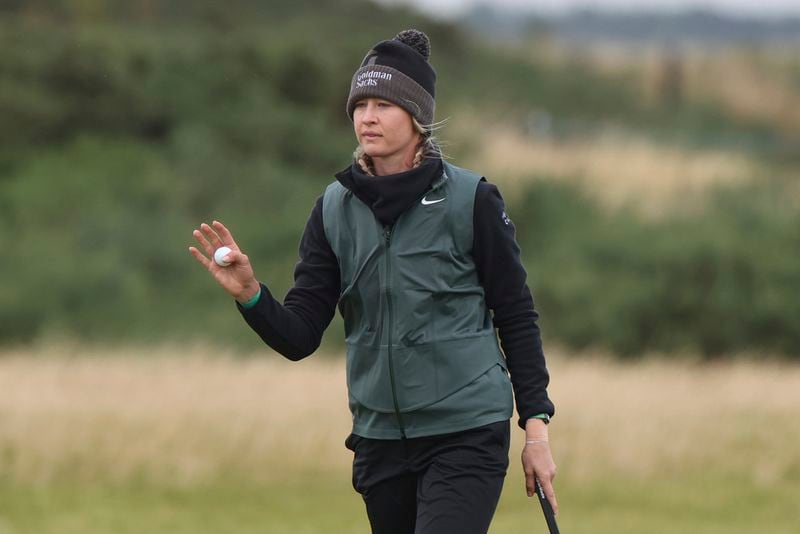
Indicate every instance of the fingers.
{"type": "Point", "coordinates": [205, 262]}
{"type": "Point", "coordinates": [547, 486]}
{"type": "Point", "coordinates": [200, 238]}
{"type": "Point", "coordinates": [236, 256]}
{"type": "Point", "coordinates": [211, 236]}
{"type": "Point", "coordinates": [225, 234]}
{"type": "Point", "coordinates": [210, 239]}
{"type": "Point", "coordinates": [530, 486]}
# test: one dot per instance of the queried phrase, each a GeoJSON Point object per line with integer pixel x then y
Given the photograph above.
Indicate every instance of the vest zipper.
{"type": "Point", "coordinates": [387, 236]}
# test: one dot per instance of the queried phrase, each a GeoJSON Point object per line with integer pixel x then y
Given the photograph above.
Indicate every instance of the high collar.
{"type": "Point", "coordinates": [390, 195]}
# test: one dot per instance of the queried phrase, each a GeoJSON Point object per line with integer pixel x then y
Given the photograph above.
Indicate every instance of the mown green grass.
{"type": "Point", "coordinates": [325, 504]}
{"type": "Point", "coordinates": [310, 505]}
{"type": "Point", "coordinates": [697, 505]}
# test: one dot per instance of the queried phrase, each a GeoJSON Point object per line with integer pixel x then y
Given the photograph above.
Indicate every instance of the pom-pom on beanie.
{"type": "Point", "coordinates": [397, 70]}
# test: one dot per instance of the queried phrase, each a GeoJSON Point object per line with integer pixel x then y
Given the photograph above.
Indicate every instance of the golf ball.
{"type": "Point", "coordinates": [219, 256]}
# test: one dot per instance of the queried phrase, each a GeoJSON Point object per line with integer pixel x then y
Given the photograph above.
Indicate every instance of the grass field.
{"type": "Point", "coordinates": [197, 440]}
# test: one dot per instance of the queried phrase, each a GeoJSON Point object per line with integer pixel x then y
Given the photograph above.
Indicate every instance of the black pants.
{"type": "Point", "coordinates": [447, 484]}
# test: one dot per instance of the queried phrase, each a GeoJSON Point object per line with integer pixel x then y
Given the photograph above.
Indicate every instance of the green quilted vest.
{"type": "Point", "coordinates": [416, 322]}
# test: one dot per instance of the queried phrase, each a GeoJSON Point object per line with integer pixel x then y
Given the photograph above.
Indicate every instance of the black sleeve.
{"type": "Point", "coordinates": [295, 328]}
{"type": "Point", "coordinates": [497, 258]}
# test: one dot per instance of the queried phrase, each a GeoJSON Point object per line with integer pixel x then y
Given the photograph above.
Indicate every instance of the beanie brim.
{"type": "Point", "coordinates": [381, 81]}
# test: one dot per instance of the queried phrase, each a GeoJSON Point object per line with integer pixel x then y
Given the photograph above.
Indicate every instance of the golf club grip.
{"type": "Point", "coordinates": [549, 516]}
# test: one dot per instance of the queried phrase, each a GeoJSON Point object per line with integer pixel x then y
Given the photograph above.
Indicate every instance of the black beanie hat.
{"type": "Point", "coordinates": [397, 70]}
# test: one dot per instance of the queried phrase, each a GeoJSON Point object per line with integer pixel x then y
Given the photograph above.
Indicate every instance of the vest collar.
{"type": "Point", "coordinates": [442, 179]}
{"type": "Point", "coordinates": [391, 195]}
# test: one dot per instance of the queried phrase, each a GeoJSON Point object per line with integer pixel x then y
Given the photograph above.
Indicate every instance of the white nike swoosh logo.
{"type": "Point", "coordinates": [426, 202]}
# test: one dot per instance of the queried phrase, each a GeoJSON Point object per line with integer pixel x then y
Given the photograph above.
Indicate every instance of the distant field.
{"type": "Point", "coordinates": [757, 82]}
{"type": "Point", "coordinates": [190, 440]}
{"type": "Point", "coordinates": [616, 168]}
{"type": "Point", "coordinates": [619, 167]}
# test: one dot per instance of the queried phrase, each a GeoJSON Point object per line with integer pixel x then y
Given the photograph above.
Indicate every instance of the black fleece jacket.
{"type": "Point", "coordinates": [295, 328]}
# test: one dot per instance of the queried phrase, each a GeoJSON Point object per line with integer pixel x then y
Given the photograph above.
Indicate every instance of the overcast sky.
{"type": "Point", "coordinates": [770, 8]}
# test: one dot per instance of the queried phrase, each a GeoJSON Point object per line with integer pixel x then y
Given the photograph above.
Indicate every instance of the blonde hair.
{"type": "Point", "coordinates": [428, 147]}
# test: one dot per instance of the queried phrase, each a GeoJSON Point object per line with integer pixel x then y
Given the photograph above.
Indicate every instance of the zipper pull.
{"type": "Point", "coordinates": [387, 235]}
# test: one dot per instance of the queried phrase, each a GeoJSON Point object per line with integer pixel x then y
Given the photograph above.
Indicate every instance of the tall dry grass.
{"type": "Point", "coordinates": [662, 418]}
{"type": "Point", "coordinates": [170, 415]}
{"type": "Point", "coordinates": [754, 83]}
{"type": "Point", "coordinates": [614, 168]}
{"type": "Point", "coordinates": [187, 416]}
{"type": "Point", "coordinates": [749, 84]}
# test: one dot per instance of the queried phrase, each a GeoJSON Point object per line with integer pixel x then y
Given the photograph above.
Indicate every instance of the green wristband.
{"type": "Point", "coordinates": [543, 416]}
{"type": "Point", "coordinates": [253, 301]}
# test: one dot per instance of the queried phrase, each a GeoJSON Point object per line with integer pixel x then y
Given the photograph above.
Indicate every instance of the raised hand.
{"type": "Point", "coordinates": [237, 278]}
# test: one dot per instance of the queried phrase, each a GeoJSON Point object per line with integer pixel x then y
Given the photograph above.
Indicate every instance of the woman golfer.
{"type": "Point", "coordinates": [422, 261]}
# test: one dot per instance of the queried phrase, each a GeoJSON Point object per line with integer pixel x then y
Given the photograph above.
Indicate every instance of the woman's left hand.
{"type": "Point", "coordinates": [537, 461]}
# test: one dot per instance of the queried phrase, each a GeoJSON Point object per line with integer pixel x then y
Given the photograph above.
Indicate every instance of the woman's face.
{"type": "Point", "coordinates": [384, 129]}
